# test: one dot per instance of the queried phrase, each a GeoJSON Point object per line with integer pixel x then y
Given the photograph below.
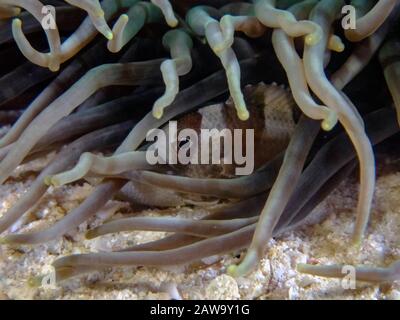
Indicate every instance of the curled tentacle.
{"type": "Point", "coordinates": [129, 24]}
{"type": "Point", "coordinates": [371, 21]}
{"type": "Point", "coordinates": [68, 19]}
{"type": "Point", "coordinates": [201, 20]}
{"type": "Point", "coordinates": [48, 60]}
{"type": "Point", "coordinates": [96, 14]}
{"type": "Point", "coordinates": [168, 12]}
{"type": "Point", "coordinates": [275, 18]}
{"type": "Point", "coordinates": [286, 52]}
{"type": "Point", "coordinates": [238, 17]}
{"type": "Point", "coordinates": [324, 14]}
{"type": "Point", "coordinates": [95, 164]}
{"type": "Point", "coordinates": [180, 44]}
{"type": "Point", "coordinates": [60, 53]}
{"type": "Point", "coordinates": [87, 31]}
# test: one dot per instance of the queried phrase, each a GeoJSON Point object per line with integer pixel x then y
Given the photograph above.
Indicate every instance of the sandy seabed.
{"type": "Point", "coordinates": [327, 242]}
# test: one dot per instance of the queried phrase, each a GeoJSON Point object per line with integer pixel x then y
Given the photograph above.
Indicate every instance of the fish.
{"type": "Point", "coordinates": [272, 117]}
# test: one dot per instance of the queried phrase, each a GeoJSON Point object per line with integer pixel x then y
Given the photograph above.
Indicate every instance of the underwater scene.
{"type": "Point", "coordinates": [199, 150]}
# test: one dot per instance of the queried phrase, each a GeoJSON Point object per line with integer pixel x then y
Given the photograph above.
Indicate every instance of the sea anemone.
{"type": "Point", "coordinates": [108, 73]}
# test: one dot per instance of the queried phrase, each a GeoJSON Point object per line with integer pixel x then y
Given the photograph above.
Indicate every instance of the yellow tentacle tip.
{"type": "Point", "coordinates": [340, 47]}
{"type": "Point", "coordinates": [243, 115]}
{"type": "Point", "coordinates": [313, 38]}
{"type": "Point", "coordinates": [327, 125]}
{"type": "Point", "coordinates": [336, 44]}
{"type": "Point", "coordinates": [301, 267]}
{"type": "Point", "coordinates": [109, 35]}
{"type": "Point", "coordinates": [17, 22]}
{"type": "Point", "coordinates": [47, 181]}
{"type": "Point", "coordinates": [173, 23]}
{"type": "Point", "coordinates": [54, 66]}
{"type": "Point", "coordinates": [124, 18]}
{"type": "Point", "coordinates": [158, 113]}
{"type": "Point", "coordinates": [4, 240]}
{"type": "Point", "coordinates": [330, 122]}
{"type": "Point", "coordinates": [51, 181]}
{"type": "Point", "coordinates": [232, 270]}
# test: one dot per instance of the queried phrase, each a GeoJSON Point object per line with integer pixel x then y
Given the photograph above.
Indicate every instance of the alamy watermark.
{"type": "Point", "coordinates": [210, 146]}
{"type": "Point", "coordinates": [348, 281]}
{"type": "Point", "coordinates": [48, 281]}
{"type": "Point", "coordinates": [49, 19]}
{"type": "Point", "coordinates": [349, 21]}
